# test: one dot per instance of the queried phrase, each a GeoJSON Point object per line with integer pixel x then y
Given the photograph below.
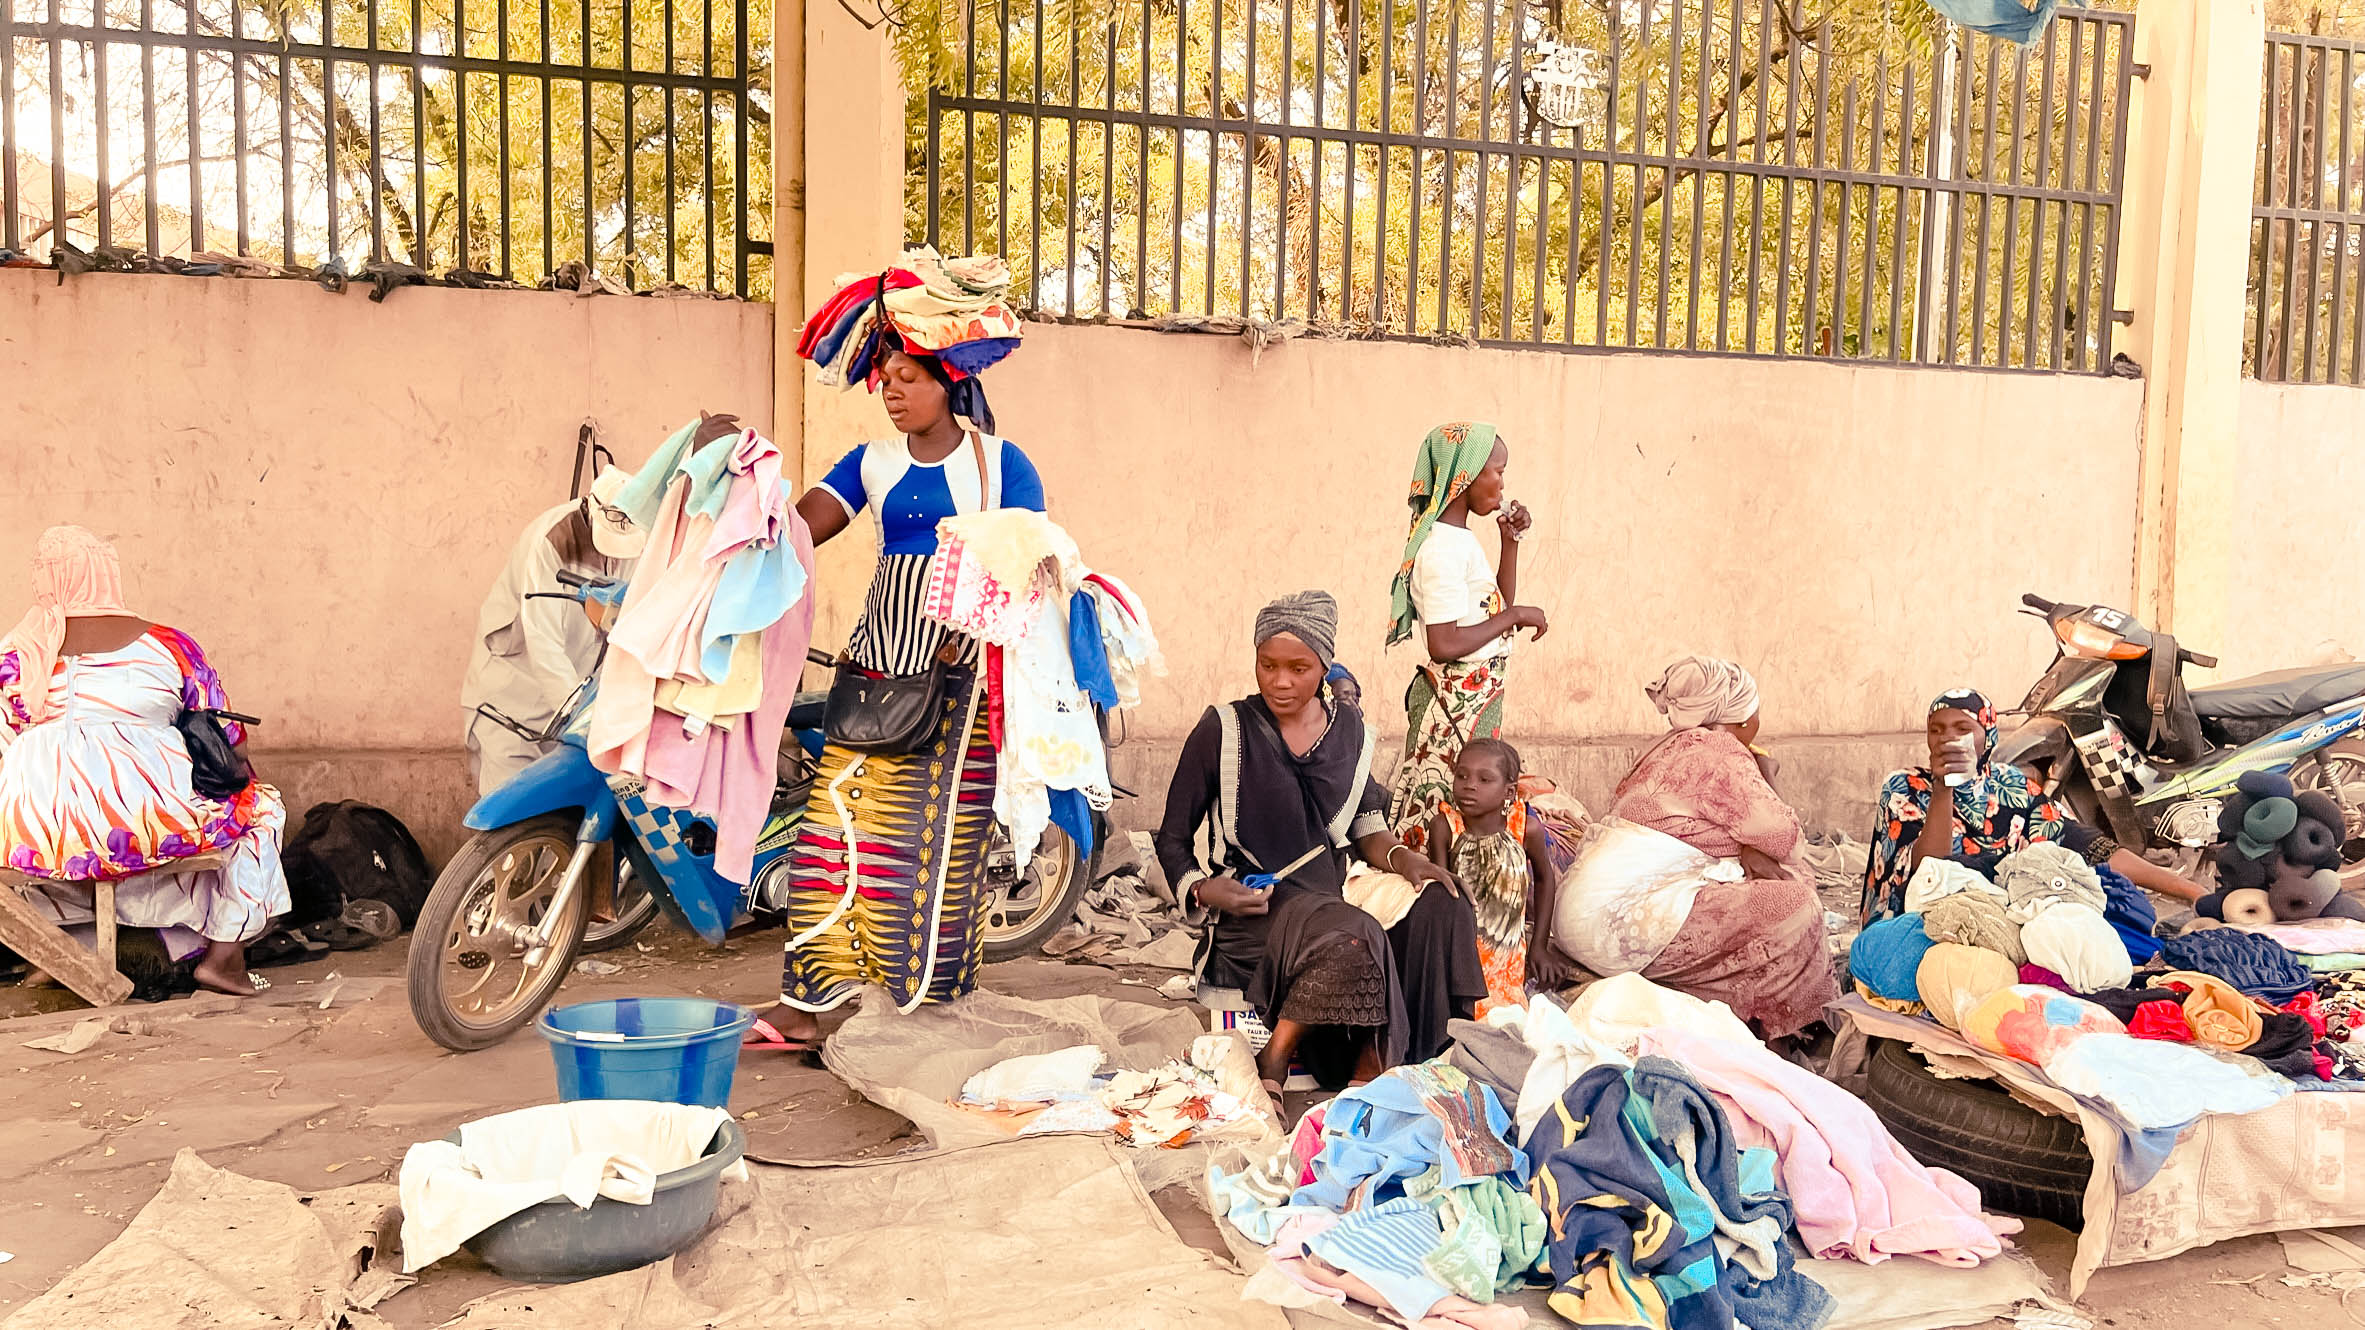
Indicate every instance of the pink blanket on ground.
{"type": "Point", "coordinates": [1856, 1192]}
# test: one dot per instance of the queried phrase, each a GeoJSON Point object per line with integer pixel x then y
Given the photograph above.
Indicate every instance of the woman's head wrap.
{"type": "Point", "coordinates": [1975, 919]}
{"type": "Point", "coordinates": [75, 574]}
{"type": "Point", "coordinates": [1312, 617]}
{"type": "Point", "coordinates": [948, 314]}
{"type": "Point", "coordinates": [1451, 457]}
{"type": "Point", "coordinates": [1953, 979]}
{"type": "Point", "coordinates": [2077, 943]}
{"type": "Point", "coordinates": [1975, 702]}
{"type": "Point", "coordinates": [1699, 691]}
{"type": "Point", "coordinates": [1886, 955]}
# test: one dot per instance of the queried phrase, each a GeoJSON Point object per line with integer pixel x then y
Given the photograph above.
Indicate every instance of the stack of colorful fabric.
{"type": "Point", "coordinates": [706, 652]}
{"type": "Point", "coordinates": [954, 310]}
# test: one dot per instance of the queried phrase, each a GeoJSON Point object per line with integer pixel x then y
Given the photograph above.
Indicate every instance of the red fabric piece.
{"type": "Point", "coordinates": [2304, 1007]}
{"type": "Point", "coordinates": [2038, 974]}
{"type": "Point", "coordinates": [993, 695]}
{"type": "Point", "coordinates": [2162, 1020]}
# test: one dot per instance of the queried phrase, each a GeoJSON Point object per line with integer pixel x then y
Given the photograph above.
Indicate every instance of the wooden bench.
{"type": "Point", "coordinates": [90, 973]}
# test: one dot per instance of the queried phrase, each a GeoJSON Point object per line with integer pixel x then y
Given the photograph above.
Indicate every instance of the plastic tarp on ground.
{"type": "Point", "coordinates": [2229, 1176]}
{"type": "Point", "coordinates": [215, 1248]}
{"type": "Point", "coordinates": [1045, 1230]}
{"type": "Point", "coordinates": [915, 1064]}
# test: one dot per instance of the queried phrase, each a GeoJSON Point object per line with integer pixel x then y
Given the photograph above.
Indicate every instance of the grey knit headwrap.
{"type": "Point", "coordinates": [1312, 617]}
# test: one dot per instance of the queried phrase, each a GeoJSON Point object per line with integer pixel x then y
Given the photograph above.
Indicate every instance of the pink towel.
{"type": "Point", "coordinates": [1856, 1192]}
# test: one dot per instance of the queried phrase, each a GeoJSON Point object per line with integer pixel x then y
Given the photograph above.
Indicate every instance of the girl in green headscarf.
{"type": "Point", "coordinates": [1447, 589]}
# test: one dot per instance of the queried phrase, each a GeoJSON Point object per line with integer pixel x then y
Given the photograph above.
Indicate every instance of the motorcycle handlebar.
{"type": "Point", "coordinates": [2039, 603]}
{"type": "Point", "coordinates": [2206, 662]}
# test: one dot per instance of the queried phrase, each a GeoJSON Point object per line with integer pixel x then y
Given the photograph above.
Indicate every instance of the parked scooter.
{"type": "Point", "coordinates": [2111, 730]}
{"type": "Point", "coordinates": [510, 912]}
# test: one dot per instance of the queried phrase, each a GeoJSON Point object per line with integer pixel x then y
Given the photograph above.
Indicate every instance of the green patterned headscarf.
{"type": "Point", "coordinates": [1451, 457]}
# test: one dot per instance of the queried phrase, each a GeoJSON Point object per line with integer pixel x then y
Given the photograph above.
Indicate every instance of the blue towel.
{"type": "Point", "coordinates": [1088, 653]}
{"type": "Point", "coordinates": [1071, 814]}
{"type": "Point", "coordinates": [2007, 19]}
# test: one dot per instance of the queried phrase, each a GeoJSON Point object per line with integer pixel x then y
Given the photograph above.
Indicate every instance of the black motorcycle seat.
{"type": "Point", "coordinates": [2281, 693]}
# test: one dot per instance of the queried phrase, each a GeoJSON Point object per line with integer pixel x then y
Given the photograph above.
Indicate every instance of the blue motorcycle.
{"type": "Point", "coordinates": [2111, 730]}
{"type": "Point", "coordinates": [567, 859]}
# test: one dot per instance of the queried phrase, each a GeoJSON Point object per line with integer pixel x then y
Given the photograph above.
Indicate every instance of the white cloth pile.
{"type": "Point", "coordinates": [1211, 1095]}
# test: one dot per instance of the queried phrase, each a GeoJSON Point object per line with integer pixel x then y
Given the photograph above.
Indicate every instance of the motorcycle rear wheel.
{"type": "Point", "coordinates": [1023, 909]}
{"type": "Point", "coordinates": [470, 983]}
{"type": "Point", "coordinates": [635, 908]}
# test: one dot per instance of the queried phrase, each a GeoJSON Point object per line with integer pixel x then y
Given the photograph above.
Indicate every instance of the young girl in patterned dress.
{"type": "Point", "coordinates": [1499, 853]}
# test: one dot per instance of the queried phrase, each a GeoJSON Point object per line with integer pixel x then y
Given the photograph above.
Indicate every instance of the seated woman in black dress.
{"type": "Point", "coordinates": [1278, 785]}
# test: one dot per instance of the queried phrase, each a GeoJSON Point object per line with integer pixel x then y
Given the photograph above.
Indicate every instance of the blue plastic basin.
{"type": "Point", "coordinates": [678, 1050]}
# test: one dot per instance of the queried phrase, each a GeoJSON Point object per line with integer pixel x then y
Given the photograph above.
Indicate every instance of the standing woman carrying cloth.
{"type": "Point", "coordinates": [1446, 588]}
{"type": "Point", "coordinates": [908, 826]}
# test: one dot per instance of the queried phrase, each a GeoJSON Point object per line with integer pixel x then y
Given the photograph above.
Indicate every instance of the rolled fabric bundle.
{"type": "Point", "coordinates": [2030, 1024]}
{"type": "Point", "coordinates": [1937, 879]}
{"type": "Point", "coordinates": [2046, 874]}
{"type": "Point", "coordinates": [1975, 920]}
{"type": "Point", "coordinates": [1953, 979]}
{"type": "Point", "coordinates": [2220, 1015]}
{"type": "Point", "coordinates": [2077, 943]}
{"type": "Point", "coordinates": [1886, 954]}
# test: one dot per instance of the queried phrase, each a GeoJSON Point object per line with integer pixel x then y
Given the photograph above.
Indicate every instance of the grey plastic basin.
{"type": "Point", "coordinates": [554, 1242]}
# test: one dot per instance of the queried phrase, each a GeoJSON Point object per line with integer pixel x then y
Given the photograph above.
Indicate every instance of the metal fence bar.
{"type": "Point", "coordinates": [2306, 217]}
{"type": "Point", "coordinates": [234, 99]}
{"type": "Point", "coordinates": [1390, 173]}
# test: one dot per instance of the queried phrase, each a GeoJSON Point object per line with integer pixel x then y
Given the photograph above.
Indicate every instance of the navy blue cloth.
{"type": "Point", "coordinates": [1088, 653]}
{"type": "Point", "coordinates": [2130, 912]}
{"type": "Point", "coordinates": [1633, 1242]}
{"type": "Point", "coordinates": [2008, 19]}
{"type": "Point", "coordinates": [2259, 966]}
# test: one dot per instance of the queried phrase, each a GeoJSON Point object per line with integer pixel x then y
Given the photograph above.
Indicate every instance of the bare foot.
{"type": "Point", "coordinates": [223, 969]}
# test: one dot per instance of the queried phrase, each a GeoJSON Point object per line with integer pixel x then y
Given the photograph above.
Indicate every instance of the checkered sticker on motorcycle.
{"type": "Point", "coordinates": [2111, 762]}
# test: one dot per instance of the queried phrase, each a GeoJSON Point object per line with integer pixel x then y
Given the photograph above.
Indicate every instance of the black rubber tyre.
{"type": "Point", "coordinates": [2023, 1162]}
{"type": "Point", "coordinates": [470, 987]}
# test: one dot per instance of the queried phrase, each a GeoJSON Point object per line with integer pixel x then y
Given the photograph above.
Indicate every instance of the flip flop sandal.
{"type": "Point", "coordinates": [767, 1038]}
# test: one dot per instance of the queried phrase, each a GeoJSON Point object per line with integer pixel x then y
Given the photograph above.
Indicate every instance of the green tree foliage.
{"type": "Point", "coordinates": [1226, 157]}
{"type": "Point", "coordinates": [615, 135]}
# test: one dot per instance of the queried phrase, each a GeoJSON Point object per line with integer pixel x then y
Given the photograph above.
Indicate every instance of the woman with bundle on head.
{"type": "Point", "coordinates": [890, 894]}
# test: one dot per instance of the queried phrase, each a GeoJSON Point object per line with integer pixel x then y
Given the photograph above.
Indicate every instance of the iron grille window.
{"type": "Point", "coordinates": [501, 136]}
{"type": "Point", "coordinates": [2307, 228]}
{"type": "Point", "coordinates": [1723, 180]}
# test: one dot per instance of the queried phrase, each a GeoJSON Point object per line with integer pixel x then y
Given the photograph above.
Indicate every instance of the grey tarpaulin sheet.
{"type": "Point", "coordinates": [1039, 1231]}
{"type": "Point", "coordinates": [2280, 1168]}
{"type": "Point", "coordinates": [915, 1064]}
{"type": "Point", "coordinates": [217, 1249]}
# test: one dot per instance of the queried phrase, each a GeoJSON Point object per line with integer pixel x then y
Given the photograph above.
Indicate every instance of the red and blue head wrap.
{"type": "Point", "coordinates": [949, 315]}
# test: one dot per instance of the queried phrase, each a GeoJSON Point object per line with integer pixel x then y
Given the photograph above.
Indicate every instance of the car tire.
{"type": "Point", "coordinates": [2024, 1162]}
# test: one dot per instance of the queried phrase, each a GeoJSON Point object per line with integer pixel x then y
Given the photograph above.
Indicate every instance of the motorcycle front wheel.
{"type": "Point", "coordinates": [473, 978]}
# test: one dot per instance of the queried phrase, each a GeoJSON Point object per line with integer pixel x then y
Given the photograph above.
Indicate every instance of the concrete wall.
{"type": "Point", "coordinates": [320, 488]}
{"type": "Point", "coordinates": [2296, 599]}
{"type": "Point", "coordinates": [1858, 536]}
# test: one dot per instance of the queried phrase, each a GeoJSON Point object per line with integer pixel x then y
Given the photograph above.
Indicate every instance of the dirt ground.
{"type": "Point", "coordinates": [326, 1081]}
